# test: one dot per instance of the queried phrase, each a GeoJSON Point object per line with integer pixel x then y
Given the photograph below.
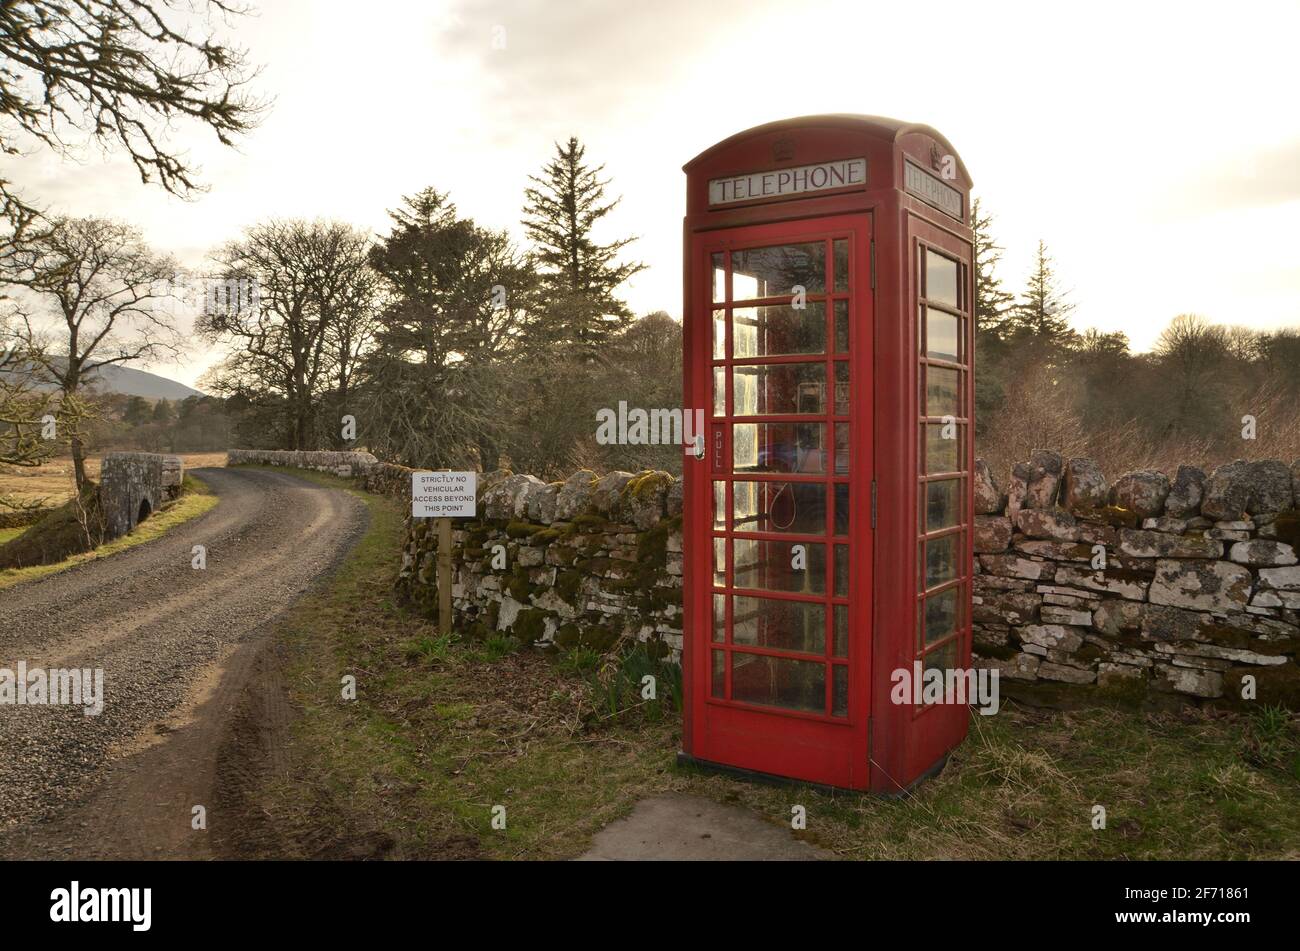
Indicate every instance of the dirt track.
{"type": "Point", "coordinates": [183, 654]}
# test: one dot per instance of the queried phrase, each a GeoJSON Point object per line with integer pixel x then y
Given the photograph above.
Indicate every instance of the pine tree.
{"type": "Point", "coordinates": [1042, 316]}
{"type": "Point", "coordinates": [992, 303]}
{"type": "Point", "coordinates": [579, 277]}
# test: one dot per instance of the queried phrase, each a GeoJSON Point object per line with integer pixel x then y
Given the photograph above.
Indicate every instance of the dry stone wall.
{"type": "Point", "coordinates": [578, 563]}
{"type": "Point", "coordinates": [1179, 586]}
{"type": "Point", "coordinates": [1184, 586]}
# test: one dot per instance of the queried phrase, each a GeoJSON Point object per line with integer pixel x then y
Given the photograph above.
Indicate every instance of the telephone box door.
{"type": "Point", "coordinates": [779, 509]}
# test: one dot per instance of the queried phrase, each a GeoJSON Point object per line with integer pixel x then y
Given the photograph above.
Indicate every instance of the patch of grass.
{"type": "Point", "coordinates": [431, 744]}
{"type": "Point", "coordinates": [8, 534]}
{"type": "Point", "coordinates": [196, 498]}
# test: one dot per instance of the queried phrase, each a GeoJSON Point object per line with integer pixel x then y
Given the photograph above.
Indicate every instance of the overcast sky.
{"type": "Point", "coordinates": [1153, 146]}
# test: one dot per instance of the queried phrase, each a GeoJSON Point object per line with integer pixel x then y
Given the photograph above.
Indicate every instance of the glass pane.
{"type": "Point", "coordinates": [942, 504]}
{"type": "Point", "coordinates": [841, 509]}
{"type": "Point", "coordinates": [779, 447]}
{"type": "Point", "coordinates": [794, 388]}
{"type": "Point", "coordinates": [944, 658]}
{"type": "Point", "coordinates": [779, 625]}
{"type": "Point", "coordinates": [841, 448]}
{"type": "Point", "coordinates": [719, 505]}
{"type": "Point", "coordinates": [798, 508]}
{"type": "Point", "coordinates": [780, 566]}
{"type": "Point", "coordinates": [940, 279]}
{"type": "Point", "coordinates": [719, 278]}
{"type": "Point", "coordinates": [941, 454]}
{"type": "Point", "coordinates": [719, 334]}
{"type": "Point", "coordinates": [719, 618]}
{"type": "Point", "coordinates": [941, 560]}
{"type": "Point", "coordinates": [841, 571]}
{"type": "Point", "coordinates": [840, 642]}
{"type": "Point", "coordinates": [841, 326]}
{"type": "Point", "coordinates": [720, 562]}
{"type": "Point", "coordinates": [719, 674]}
{"type": "Point", "coordinates": [776, 271]}
{"type": "Point", "coordinates": [840, 691]}
{"type": "Point", "coordinates": [720, 391]}
{"type": "Point", "coordinates": [941, 391]}
{"type": "Point", "coordinates": [841, 253]}
{"type": "Point", "coordinates": [841, 389]}
{"type": "Point", "coordinates": [778, 682]}
{"type": "Point", "coordinates": [940, 615]}
{"type": "Point", "coordinates": [940, 335]}
{"type": "Point", "coordinates": [778, 330]}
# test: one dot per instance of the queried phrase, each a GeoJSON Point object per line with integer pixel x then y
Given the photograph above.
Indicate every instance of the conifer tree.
{"type": "Point", "coordinates": [579, 276]}
{"type": "Point", "coordinates": [992, 302]}
{"type": "Point", "coordinates": [1042, 315]}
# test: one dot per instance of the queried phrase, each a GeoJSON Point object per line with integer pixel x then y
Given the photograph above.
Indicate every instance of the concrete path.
{"type": "Point", "coordinates": [688, 828]}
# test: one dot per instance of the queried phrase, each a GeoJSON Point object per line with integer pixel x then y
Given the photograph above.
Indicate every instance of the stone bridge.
{"type": "Point", "coordinates": [134, 485]}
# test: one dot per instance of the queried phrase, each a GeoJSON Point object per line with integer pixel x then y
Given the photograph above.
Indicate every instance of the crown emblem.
{"type": "Point", "coordinates": [783, 149]}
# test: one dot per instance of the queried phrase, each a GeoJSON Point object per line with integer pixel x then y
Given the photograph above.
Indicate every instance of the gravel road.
{"type": "Point", "coordinates": [177, 646]}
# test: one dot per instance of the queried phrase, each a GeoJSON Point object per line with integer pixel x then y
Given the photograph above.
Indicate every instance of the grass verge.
{"type": "Point", "coordinates": [441, 731]}
{"type": "Point", "coordinates": [195, 499]}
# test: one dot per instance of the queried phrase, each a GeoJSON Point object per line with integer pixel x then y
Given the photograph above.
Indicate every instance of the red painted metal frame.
{"type": "Point", "coordinates": [880, 746]}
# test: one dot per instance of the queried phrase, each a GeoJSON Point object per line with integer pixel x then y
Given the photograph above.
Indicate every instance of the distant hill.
{"type": "Point", "coordinates": [131, 382]}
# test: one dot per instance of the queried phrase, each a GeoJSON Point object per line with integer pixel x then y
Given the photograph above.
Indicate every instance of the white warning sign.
{"type": "Point", "coordinates": [443, 494]}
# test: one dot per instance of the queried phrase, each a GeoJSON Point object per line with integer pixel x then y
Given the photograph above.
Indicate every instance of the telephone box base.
{"type": "Point", "coordinates": [771, 779]}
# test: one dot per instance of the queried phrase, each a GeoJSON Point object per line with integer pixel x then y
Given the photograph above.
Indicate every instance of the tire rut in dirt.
{"type": "Point", "coordinates": [157, 626]}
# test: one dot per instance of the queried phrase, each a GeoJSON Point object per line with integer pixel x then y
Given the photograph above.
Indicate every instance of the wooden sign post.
{"type": "Point", "coordinates": [444, 495]}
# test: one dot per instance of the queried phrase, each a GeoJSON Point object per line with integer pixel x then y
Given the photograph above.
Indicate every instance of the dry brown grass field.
{"type": "Point", "coordinates": [53, 481]}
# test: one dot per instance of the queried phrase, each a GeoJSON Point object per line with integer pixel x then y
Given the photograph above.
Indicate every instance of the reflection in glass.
{"type": "Point", "coordinates": [940, 560]}
{"type": "Point", "coordinates": [779, 625]}
{"type": "Point", "coordinates": [943, 658]}
{"type": "Point", "coordinates": [778, 682]}
{"type": "Point", "coordinates": [842, 388]}
{"type": "Point", "coordinates": [940, 279]}
{"type": "Point", "coordinates": [779, 447]}
{"type": "Point", "coordinates": [776, 271]}
{"type": "Point", "coordinates": [942, 504]}
{"type": "Point", "coordinates": [719, 674]}
{"type": "Point", "coordinates": [841, 256]}
{"type": "Point", "coordinates": [941, 333]}
{"type": "Point", "coordinates": [719, 278]}
{"type": "Point", "coordinates": [779, 566]}
{"type": "Point", "coordinates": [841, 326]}
{"type": "Point", "coordinates": [720, 562]}
{"type": "Point", "coordinates": [798, 508]}
{"type": "Point", "coordinates": [841, 571]}
{"type": "Point", "coordinates": [719, 391]}
{"type": "Point", "coordinates": [840, 690]}
{"type": "Point", "coordinates": [719, 334]}
{"type": "Point", "coordinates": [941, 391]}
{"type": "Point", "coordinates": [841, 448]}
{"type": "Point", "coordinates": [840, 641]}
{"type": "Point", "coordinates": [942, 455]}
{"type": "Point", "coordinates": [719, 505]}
{"type": "Point", "coordinates": [778, 330]}
{"type": "Point", "coordinates": [940, 615]}
{"type": "Point", "coordinates": [795, 388]}
{"type": "Point", "coordinates": [841, 508]}
{"type": "Point", "coordinates": [719, 618]}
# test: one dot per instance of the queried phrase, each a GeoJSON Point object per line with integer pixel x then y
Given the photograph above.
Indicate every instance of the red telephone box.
{"type": "Point", "coordinates": [827, 515]}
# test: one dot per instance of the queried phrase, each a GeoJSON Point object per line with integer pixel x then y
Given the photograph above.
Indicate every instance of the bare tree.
{"type": "Point", "coordinates": [23, 403]}
{"type": "Point", "coordinates": [306, 321]}
{"type": "Point", "coordinates": [120, 73]}
{"type": "Point", "coordinates": [106, 295]}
